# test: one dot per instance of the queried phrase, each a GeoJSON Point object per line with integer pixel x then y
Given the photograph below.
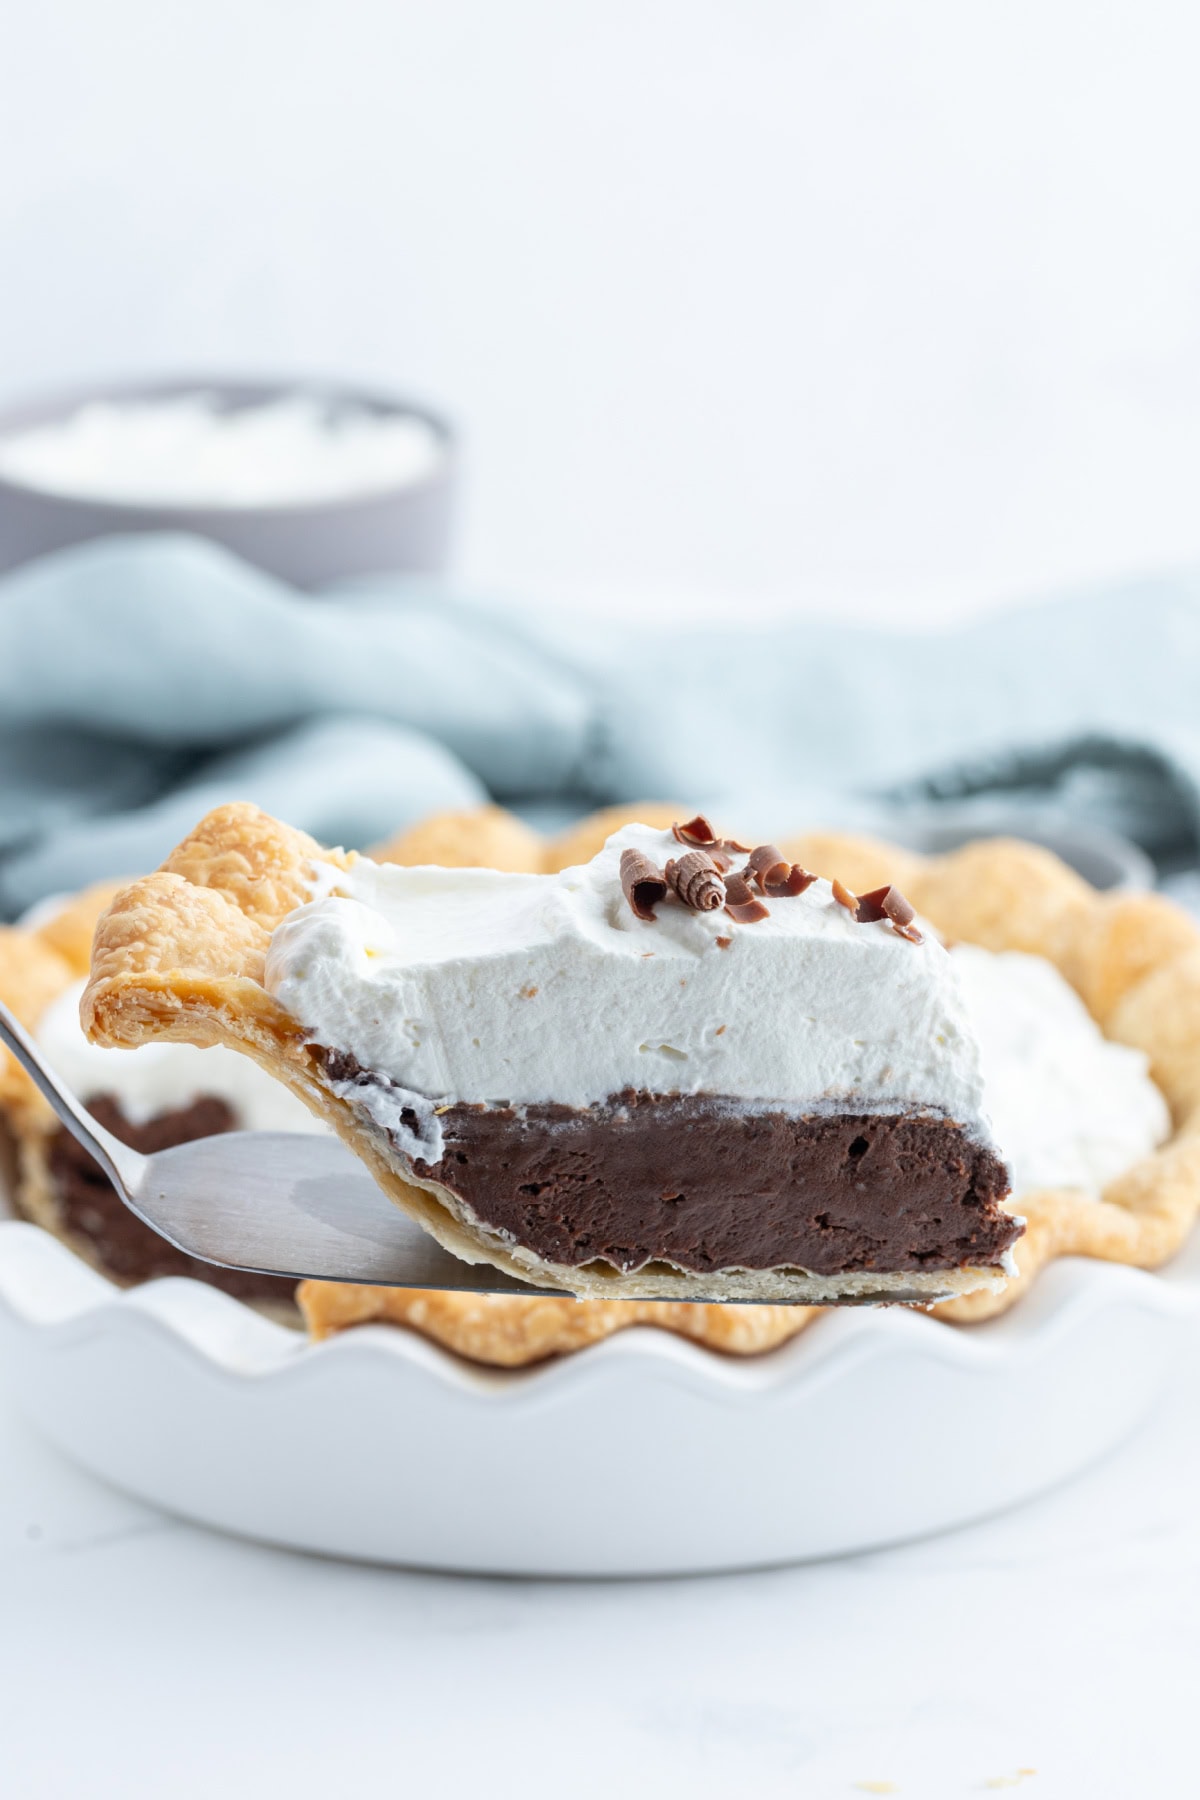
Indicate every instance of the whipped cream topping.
{"type": "Point", "coordinates": [158, 1078]}
{"type": "Point", "coordinates": [1068, 1108]}
{"type": "Point", "coordinates": [478, 986]}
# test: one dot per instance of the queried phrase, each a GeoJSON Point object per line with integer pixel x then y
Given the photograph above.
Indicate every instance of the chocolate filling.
{"type": "Point", "coordinates": [127, 1249]}
{"type": "Point", "coordinates": [709, 1185]}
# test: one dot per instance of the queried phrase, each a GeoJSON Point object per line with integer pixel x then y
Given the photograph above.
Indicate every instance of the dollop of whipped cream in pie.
{"type": "Point", "coordinates": [473, 985]}
{"type": "Point", "coordinates": [161, 1077]}
{"type": "Point", "coordinates": [1068, 1108]}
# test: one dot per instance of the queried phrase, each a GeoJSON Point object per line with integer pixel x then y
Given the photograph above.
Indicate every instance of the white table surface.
{"type": "Point", "coordinates": [141, 1657]}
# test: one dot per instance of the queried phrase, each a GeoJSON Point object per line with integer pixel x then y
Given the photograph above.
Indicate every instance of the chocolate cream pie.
{"type": "Point", "coordinates": [686, 1069]}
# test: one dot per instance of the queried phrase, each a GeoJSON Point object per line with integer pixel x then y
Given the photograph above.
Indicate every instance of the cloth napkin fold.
{"type": "Point", "coordinates": [144, 680]}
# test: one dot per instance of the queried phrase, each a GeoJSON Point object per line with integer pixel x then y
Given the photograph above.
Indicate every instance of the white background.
{"type": "Point", "coordinates": [789, 300]}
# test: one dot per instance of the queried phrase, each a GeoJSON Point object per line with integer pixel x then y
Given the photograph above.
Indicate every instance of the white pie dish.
{"type": "Point", "coordinates": [642, 1455]}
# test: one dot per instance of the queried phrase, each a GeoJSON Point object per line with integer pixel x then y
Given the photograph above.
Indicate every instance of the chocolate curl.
{"type": "Point", "coordinates": [775, 875]}
{"type": "Point", "coordinates": [697, 832]}
{"type": "Point", "coordinates": [870, 906]}
{"type": "Point", "coordinates": [697, 881]}
{"type": "Point", "coordinates": [741, 904]}
{"type": "Point", "coordinates": [699, 835]}
{"type": "Point", "coordinates": [796, 881]}
{"type": "Point", "coordinates": [768, 859]}
{"type": "Point", "coordinates": [889, 903]}
{"type": "Point", "coordinates": [844, 897]}
{"type": "Point", "coordinates": [642, 884]}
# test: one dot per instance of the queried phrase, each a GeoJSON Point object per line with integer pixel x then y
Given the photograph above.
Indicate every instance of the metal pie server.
{"type": "Point", "coordinates": [275, 1202]}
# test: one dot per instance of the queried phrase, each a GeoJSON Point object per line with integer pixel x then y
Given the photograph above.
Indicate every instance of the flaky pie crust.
{"type": "Point", "coordinates": [35, 967]}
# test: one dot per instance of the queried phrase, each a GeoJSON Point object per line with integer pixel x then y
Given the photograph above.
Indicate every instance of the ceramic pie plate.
{"type": "Point", "coordinates": [642, 1455]}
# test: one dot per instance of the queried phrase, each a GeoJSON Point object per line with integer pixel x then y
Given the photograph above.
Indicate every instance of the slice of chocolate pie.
{"type": "Point", "coordinates": [685, 1069]}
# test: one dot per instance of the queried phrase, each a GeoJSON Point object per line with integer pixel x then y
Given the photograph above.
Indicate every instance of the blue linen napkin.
{"type": "Point", "coordinates": [144, 680]}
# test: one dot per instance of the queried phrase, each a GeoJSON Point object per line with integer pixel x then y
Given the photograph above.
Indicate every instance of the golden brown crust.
{"type": "Point", "coordinates": [170, 963]}
{"type": "Point", "coordinates": [35, 967]}
{"type": "Point", "coordinates": [1160, 1015]}
{"type": "Point", "coordinates": [486, 837]}
{"type": "Point", "coordinates": [509, 1331]}
{"type": "Point", "coordinates": [70, 930]}
{"type": "Point", "coordinates": [179, 954]}
{"type": "Point", "coordinates": [1121, 938]}
{"type": "Point", "coordinates": [32, 974]}
{"type": "Point", "coordinates": [1004, 895]}
{"type": "Point", "coordinates": [260, 866]}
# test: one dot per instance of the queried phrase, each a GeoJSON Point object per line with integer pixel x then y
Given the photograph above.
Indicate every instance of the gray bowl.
{"type": "Point", "coordinates": [310, 544]}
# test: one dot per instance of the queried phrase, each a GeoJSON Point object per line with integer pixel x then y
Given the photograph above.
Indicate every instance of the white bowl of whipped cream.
{"type": "Point", "coordinates": [314, 482]}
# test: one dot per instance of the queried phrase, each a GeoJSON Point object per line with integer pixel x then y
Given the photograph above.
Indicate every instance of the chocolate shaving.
{"type": "Point", "coordinates": [697, 832]}
{"type": "Point", "coordinates": [740, 902]}
{"type": "Point", "coordinates": [748, 912]}
{"type": "Point", "coordinates": [897, 908]}
{"type": "Point", "coordinates": [699, 835]}
{"type": "Point", "coordinates": [642, 883]}
{"type": "Point", "coordinates": [794, 882]}
{"type": "Point", "coordinates": [844, 897]}
{"type": "Point", "coordinates": [775, 875]}
{"type": "Point", "coordinates": [870, 906]}
{"type": "Point", "coordinates": [697, 881]}
{"type": "Point", "coordinates": [889, 903]}
{"type": "Point", "coordinates": [885, 903]}
{"type": "Point", "coordinates": [723, 943]}
{"type": "Point", "coordinates": [768, 859]}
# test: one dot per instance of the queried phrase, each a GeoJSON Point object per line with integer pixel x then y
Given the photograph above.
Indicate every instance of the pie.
{"type": "Point", "coordinates": [1134, 960]}
{"type": "Point", "coordinates": [710, 1075]}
